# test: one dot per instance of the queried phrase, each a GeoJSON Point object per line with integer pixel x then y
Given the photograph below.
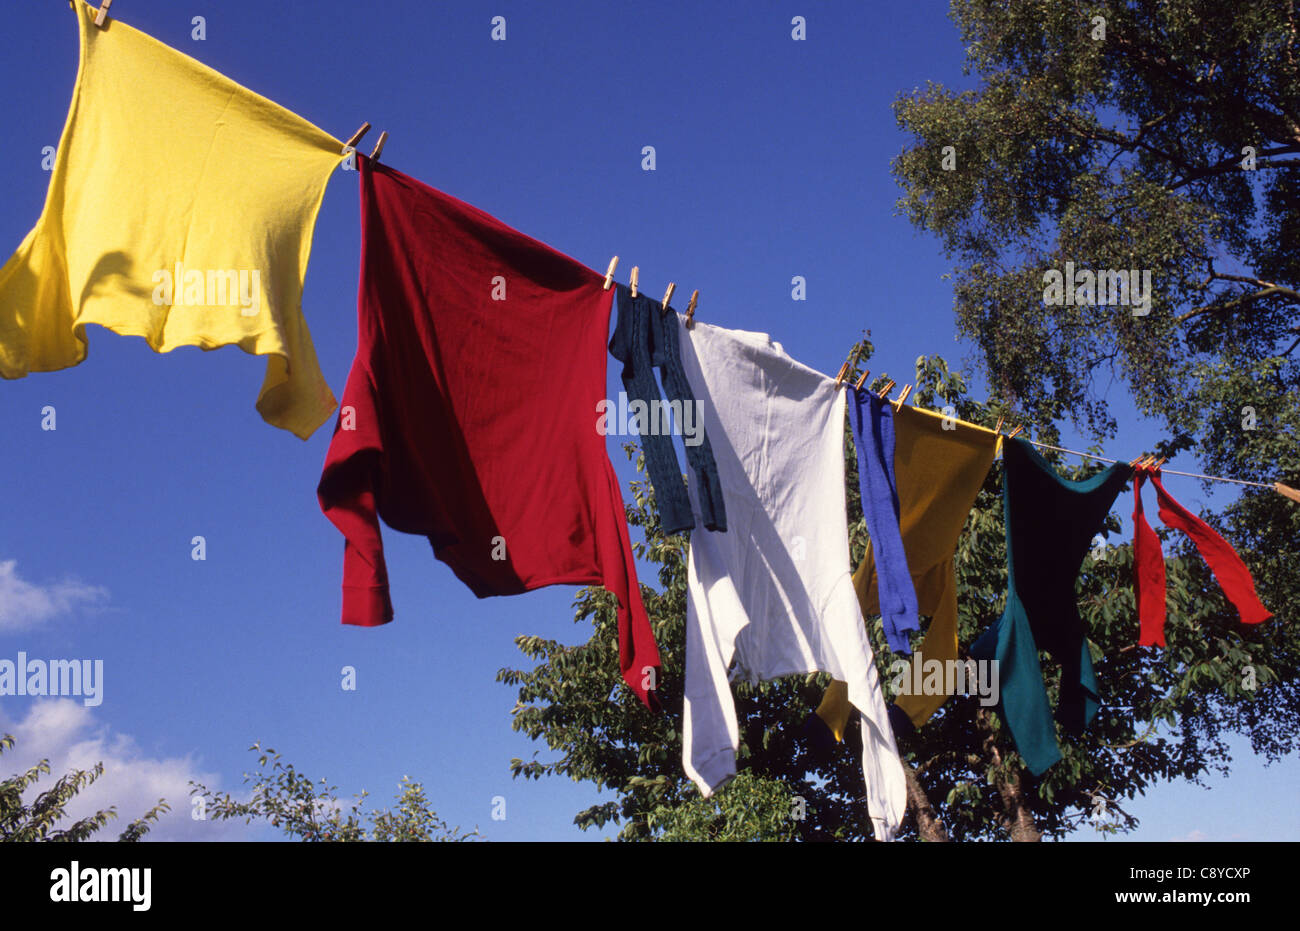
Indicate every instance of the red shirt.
{"type": "Point", "coordinates": [472, 420]}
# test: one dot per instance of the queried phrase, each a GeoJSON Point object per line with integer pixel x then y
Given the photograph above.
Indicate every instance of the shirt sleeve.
{"type": "Point", "coordinates": [347, 497]}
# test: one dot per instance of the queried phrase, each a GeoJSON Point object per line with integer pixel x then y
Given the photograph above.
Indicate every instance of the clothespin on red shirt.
{"type": "Point", "coordinates": [379, 146]}
{"type": "Point", "coordinates": [102, 15]}
{"type": "Point", "coordinates": [690, 309]}
{"type": "Point", "coordinates": [609, 272]}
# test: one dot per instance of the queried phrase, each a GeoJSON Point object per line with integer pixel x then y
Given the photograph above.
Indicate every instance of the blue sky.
{"type": "Point", "coordinates": [772, 161]}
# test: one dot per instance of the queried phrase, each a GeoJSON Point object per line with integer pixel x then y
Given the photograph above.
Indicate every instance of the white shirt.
{"type": "Point", "coordinates": [774, 592]}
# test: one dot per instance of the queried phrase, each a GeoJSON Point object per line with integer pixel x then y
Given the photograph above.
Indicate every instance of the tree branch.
{"type": "Point", "coordinates": [1267, 289]}
{"type": "Point", "coordinates": [1232, 163]}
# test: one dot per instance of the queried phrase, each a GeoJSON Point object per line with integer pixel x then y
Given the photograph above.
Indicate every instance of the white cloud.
{"type": "Point", "coordinates": [1193, 836]}
{"type": "Point", "coordinates": [24, 605]}
{"type": "Point", "coordinates": [66, 733]}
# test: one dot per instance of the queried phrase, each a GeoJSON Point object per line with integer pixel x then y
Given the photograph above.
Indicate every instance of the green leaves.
{"type": "Point", "coordinates": [38, 821]}
{"type": "Point", "coordinates": [309, 811]}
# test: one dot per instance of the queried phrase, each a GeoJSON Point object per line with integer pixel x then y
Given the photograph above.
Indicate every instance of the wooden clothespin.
{"type": "Point", "coordinates": [902, 398]}
{"type": "Point", "coordinates": [690, 309]}
{"type": "Point", "coordinates": [1017, 429]}
{"type": "Point", "coordinates": [889, 386]}
{"type": "Point", "coordinates": [1287, 492]}
{"type": "Point", "coordinates": [102, 15]}
{"type": "Point", "coordinates": [636, 275]}
{"type": "Point", "coordinates": [1158, 463]}
{"type": "Point", "coordinates": [863, 380]}
{"type": "Point", "coordinates": [668, 295]}
{"type": "Point", "coordinates": [998, 428]}
{"type": "Point", "coordinates": [356, 137]}
{"type": "Point", "coordinates": [848, 366]}
{"type": "Point", "coordinates": [379, 146]}
{"type": "Point", "coordinates": [609, 272]}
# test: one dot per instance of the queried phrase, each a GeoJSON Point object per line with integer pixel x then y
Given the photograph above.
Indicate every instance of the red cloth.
{"type": "Point", "coordinates": [1149, 563]}
{"type": "Point", "coordinates": [472, 421]}
{"type": "Point", "coordinates": [1148, 572]}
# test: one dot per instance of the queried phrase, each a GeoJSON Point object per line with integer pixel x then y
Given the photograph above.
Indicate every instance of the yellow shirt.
{"type": "Point", "coordinates": [939, 473]}
{"type": "Point", "coordinates": [181, 209]}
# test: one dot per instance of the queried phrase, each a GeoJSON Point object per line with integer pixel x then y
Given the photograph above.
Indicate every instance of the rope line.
{"type": "Point", "coordinates": [1210, 478]}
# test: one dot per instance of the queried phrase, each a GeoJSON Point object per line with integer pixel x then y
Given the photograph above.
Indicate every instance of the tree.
{"type": "Point", "coordinates": [1164, 714]}
{"type": "Point", "coordinates": [38, 821]}
{"type": "Point", "coordinates": [309, 811]}
{"type": "Point", "coordinates": [1156, 136]}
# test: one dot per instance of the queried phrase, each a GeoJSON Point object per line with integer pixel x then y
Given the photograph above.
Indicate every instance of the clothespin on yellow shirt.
{"type": "Point", "coordinates": [690, 309]}
{"type": "Point", "coordinates": [351, 144]}
{"type": "Point", "coordinates": [636, 276]}
{"type": "Point", "coordinates": [102, 15]}
{"type": "Point", "coordinates": [902, 398]}
{"type": "Point", "coordinates": [379, 146]}
{"type": "Point", "coordinates": [609, 272]}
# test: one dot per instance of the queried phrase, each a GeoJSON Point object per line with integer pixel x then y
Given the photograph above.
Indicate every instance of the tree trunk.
{"type": "Point", "coordinates": [1015, 818]}
{"type": "Point", "coordinates": [928, 825]}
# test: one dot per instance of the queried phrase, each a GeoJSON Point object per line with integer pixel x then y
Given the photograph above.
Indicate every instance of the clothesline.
{"type": "Point", "coordinates": [1210, 478]}
{"type": "Point", "coordinates": [1275, 486]}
